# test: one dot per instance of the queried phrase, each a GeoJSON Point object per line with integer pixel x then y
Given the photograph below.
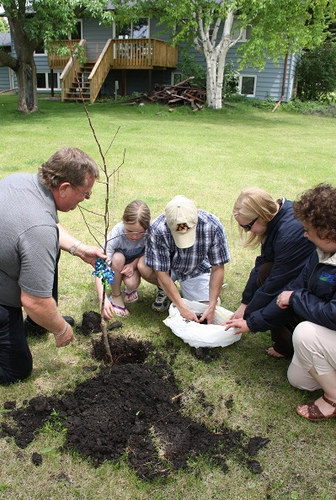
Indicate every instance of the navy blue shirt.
{"type": "Point", "coordinates": [313, 297]}
{"type": "Point", "coordinates": [287, 248]}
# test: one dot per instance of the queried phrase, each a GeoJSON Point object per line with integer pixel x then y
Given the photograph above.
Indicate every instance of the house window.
{"type": "Point", "coordinates": [40, 50]}
{"type": "Point", "coordinates": [55, 79]}
{"type": "Point", "coordinates": [246, 34]}
{"type": "Point", "coordinates": [44, 80]}
{"type": "Point", "coordinates": [77, 34]}
{"type": "Point", "coordinates": [247, 85]}
{"type": "Point", "coordinates": [176, 78]}
{"type": "Point", "coordinates": [140, 29]}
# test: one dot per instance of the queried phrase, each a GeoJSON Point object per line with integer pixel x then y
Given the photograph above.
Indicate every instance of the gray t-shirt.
{"type": "Point", "coordinates": [28, 238]}
{"type": "Point", "coordinates": [117, 241]}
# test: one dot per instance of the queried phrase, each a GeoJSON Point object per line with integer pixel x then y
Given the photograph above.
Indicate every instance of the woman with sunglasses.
{"type": "Point", "coordinates": [270, 223]}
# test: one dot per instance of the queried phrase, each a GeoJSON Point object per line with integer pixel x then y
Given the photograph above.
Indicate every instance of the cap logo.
{"type": "Point", "coordinates": [182, 228]}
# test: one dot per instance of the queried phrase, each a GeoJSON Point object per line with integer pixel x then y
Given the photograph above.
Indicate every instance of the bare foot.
{"type": "Point", "coordinates": [325, 408]}
{"type": "Point", "coordinates": [272, 352]}
{"type": "Point", "coordinates": [118, 306]}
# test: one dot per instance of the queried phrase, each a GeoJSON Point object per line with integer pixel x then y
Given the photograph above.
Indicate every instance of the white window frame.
{"type": "Point", "coordinates": [244, 38]}
{"type": "Point", "coordinates": [39, 54]}
{"type": "Point", "coordinates": [114, 30]}
{"type": "Point", "coordinates": [46, 74]}
{"type": "Point", "coordinates": [240, 84]}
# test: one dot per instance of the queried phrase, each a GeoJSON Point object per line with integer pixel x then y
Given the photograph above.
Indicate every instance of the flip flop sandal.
{"type": "Point", "coordinates": [120, 308]}
{"type": "Point", "coordinates": [127, 295]}
{"type": "Point", "coordinates": [314, 413]}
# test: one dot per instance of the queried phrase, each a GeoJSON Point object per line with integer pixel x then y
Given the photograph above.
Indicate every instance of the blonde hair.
{"type": "Point", "coordinates": [137, 212]}
{"type": "Point", "coordinates": [254, 202]}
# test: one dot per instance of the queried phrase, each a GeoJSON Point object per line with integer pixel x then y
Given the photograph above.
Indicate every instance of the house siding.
{"type": "Point", "coordinates": [138, 81]}
{"type": "Point", "coordinates": [6, 74]}
{"type": "Point", "coordinates": [5, 80]}
{"type": "Point", "coordinates": [96, 35]}
{"type": "Point", "coordinates": [269, 81]}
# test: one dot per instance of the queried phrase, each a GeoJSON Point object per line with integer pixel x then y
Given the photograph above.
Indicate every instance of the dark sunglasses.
{"type": "Point", "coordinates": [248, 227]}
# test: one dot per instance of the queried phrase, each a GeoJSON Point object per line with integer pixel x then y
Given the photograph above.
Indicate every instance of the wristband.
{"type": "Point", "coordinates": [74, 247]}
{"type": "Point", "coordinates": [64, 331]}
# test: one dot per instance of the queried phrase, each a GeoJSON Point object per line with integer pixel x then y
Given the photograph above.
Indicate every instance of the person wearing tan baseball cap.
{"type": "Point", "coordinates": [187, 245]}
{"type": "Point", "coordinates": [181, 216]}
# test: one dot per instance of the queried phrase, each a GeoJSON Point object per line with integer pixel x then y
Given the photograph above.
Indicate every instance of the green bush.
{"type": "Point", "coordinates": [189, 68]}
{"type": "Point", "coordinates": [231, 79]}
{"type": "Point", "coordinates": [310, 108]}
{"type": "Point", "coordinates": [316, 73]}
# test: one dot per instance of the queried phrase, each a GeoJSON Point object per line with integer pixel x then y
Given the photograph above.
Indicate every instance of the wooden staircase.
{"type": "Point", "coordinates": [116, 54]}
{"type": "Point", "coordinates": [82, 77]}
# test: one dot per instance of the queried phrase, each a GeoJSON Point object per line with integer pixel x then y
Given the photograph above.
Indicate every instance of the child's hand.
{"type": "Point", "coordinates": [108, 309]}
{"type": "Point", "coordinates": [128, 270]}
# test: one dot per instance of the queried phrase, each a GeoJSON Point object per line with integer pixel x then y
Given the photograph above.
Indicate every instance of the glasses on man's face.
{"type": "Point", "coordinates": [86, 195]}
{"type": "Point", "coordinates": [248, 227]}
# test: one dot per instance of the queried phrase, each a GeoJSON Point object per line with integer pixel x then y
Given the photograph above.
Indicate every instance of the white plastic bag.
{"type": "Point", "coordinates": [201, 335]}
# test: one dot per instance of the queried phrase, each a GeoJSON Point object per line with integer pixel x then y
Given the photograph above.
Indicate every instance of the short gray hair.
{"type": "Point", "coordinates": [67, 165]}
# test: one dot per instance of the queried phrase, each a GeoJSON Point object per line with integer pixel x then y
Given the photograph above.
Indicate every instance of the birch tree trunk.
{"type": "Point", "coordinates": [215, 47]}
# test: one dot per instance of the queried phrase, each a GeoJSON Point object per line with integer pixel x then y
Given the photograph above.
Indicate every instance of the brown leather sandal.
{"type": "Point", "coordinates": [314, 413]}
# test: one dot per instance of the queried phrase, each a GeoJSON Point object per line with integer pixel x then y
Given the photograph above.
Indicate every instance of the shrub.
{"type": "Point", "coordinates": [316, 73]}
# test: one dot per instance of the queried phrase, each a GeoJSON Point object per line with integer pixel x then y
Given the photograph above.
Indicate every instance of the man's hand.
{"type": "Point", "coordinates": [209, 315]}
{"type": "Point", "coordinates": [187, 313]}
{"type": "Point", "coordinates": [89, 254]}
{"type": "Point", "coordinates": [64, 340]}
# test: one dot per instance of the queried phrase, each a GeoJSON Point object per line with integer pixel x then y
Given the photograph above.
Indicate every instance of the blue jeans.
{"type": "Point", "coordinates": [16, 361]}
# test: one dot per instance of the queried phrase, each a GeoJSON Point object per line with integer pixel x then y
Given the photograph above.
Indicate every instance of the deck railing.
{"type": "Point", "coordinates": [72, 68]}
{"type": "Point", "coordinates": [143, 53]}
{"type": "Point", "coordinates": [116, 54]}
{"type": "Point", "coordinates": [100, 71]}
{"type": "Point", "coordinates": [57, 59]}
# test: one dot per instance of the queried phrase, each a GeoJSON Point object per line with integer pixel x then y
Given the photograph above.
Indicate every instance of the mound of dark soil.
{"type": "Point", "coordinates": [91, 324]}
{"type": "Point", "coordinates": [130, 408]}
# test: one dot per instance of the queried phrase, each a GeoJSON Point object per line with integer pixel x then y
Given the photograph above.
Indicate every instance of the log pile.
{"type": "Point", "coordinates": [181, 94]}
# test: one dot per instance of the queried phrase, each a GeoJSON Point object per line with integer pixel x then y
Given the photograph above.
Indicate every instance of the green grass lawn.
{"type": "Point", "coordinates": [208, 156]}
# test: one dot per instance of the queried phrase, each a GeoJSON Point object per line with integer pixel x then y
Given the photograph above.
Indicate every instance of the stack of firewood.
{"type": "Point", "coordinates": [182, 93]}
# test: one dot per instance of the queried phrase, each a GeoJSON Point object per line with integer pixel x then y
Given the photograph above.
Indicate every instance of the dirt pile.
{"type": "Point", "coordinates": [130, 407]}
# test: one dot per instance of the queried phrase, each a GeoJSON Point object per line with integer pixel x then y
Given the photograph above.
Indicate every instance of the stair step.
{"type": "Point", "coordinates": [74, 88]}
{"type": "Point", "coordinates": [86, 99]}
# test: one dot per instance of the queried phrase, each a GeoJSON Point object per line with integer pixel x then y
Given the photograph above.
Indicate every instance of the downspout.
{"type": "Point", "coordinates": [283, 90]}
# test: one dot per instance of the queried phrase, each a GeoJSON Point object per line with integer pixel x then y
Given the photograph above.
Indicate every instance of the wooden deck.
{"type": "Point", "coordinates": [145, 54]}
{"type": "Point", "coordinates": [140, 53]}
